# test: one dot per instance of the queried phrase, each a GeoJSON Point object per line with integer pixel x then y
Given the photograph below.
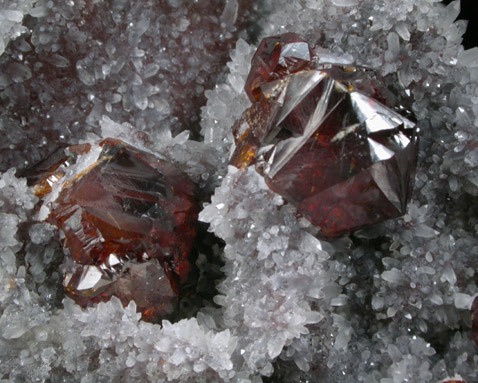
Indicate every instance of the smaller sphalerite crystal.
{"type": "Point", "coordinates": [325, 138]}
{"type": "Point", "coordinates": [129, 223]}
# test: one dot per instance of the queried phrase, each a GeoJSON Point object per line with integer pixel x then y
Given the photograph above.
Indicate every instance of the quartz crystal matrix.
{"type": "Point", "coordinates": [129, 223]}
{"type": "Point", "coordinates": [324, 138]}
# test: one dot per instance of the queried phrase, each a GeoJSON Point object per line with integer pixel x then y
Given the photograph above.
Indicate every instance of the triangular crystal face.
{"type": "Point", "coordinates": [345, 159]}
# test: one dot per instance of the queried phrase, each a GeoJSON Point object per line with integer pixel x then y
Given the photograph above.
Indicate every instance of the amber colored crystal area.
{"type": "Point", "coordinates": [343, 158]}
{"type": "Point", "coordinates": [129, 224]}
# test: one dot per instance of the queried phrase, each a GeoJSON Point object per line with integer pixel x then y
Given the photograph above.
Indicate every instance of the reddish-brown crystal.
{"type": "Point", "coordinates": [474, 320]}
{"type": "Point", "coordinates": [275, 58]}
{"type": "Point", "coordinates": [46, 173]}
{"type": "Point", "coordinates": [129, 223]}
{"type": "Point", "coordinates": [344, 159]}
{"type": "Point", "coordinates": [146, 283]}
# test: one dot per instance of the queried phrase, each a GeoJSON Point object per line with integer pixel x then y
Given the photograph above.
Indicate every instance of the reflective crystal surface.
{"type": "Point", "coordinates": [129, 223]}
{"type": "Point", "coordinates": [276, 57]}
{"type": "Point", "coordinates": [324, 141]}
{"type": "Point", "coordinates": [45, 174]}
{"type": "Point", "coordinates": [146, 283]}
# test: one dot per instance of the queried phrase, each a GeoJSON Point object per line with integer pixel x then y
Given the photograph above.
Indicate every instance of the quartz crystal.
{"type": "Point", "coordinates": [129, 223]}
{"type": "Point", "coordinates": [326, 138]}
{"type": "Point", "coordinates": [141, 62]}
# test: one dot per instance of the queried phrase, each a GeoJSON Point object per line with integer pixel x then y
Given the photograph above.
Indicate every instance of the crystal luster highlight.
{"type": "Point", "coordinates": [323, 140]}
{"type": "Point", "coordinates": [129, 223]}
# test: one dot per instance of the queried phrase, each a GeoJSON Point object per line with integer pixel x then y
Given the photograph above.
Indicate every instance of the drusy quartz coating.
{"type": "Point", "coordinates": [325, 138]}
{"type": "Point", "coordinates": [129, 223]}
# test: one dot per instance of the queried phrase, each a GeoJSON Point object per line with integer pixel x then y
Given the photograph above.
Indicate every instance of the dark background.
{"type": "Point", "coordinates": [469, 11]}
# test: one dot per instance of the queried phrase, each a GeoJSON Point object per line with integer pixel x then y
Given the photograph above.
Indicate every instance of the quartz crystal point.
{"type": "Point", "coordinates": [325, 138]}
{"type": "Point", "coordinates": [129, 223]}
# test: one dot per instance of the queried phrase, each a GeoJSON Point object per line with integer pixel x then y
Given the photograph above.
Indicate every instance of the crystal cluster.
{"type": "Point", "coordinates": [342, 157]}
{"type": "Point", "coordinates": [143, 63]}
{"type": "Point", "coordinates": [129, 223]}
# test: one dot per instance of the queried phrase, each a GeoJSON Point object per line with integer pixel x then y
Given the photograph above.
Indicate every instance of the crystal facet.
{"type": "Point", "coordinates": [129, 222]}
{"type": "Point", "coordinates": [276, 57]}
{"type": "Point", "coordinates": [322, 141]}
{"type": "Point", "coordinates": [47, 172]}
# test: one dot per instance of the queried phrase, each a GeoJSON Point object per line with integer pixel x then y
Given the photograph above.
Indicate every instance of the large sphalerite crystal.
{"type": "Point", "coordinates": [129, 222]}
{"type": "Point", "coordinates": [324, 137]}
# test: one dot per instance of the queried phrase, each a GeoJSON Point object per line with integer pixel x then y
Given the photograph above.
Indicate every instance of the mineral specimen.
{"type": "Point", "coordinates": [129, 223]}
{"type": "Point", "coordinates": [325, 138]}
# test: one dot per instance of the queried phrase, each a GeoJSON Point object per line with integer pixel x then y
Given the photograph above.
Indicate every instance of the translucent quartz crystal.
{"type": "Point", "coordinates": [141, 62]}
{"type": "Point", "coordinates": [325, 139]}
{"type": "Point", "coordinates": [129, 223]}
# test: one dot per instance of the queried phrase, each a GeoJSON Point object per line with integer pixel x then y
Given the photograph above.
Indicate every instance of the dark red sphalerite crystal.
{"type": "Point", "coordinates": [43, 175]}
{"type": "Point", "coordinates": [275, 58]}
{"type": "Point", "coordinates": [343, 158]}
{"type": "Point", "coordinates": [129, 223]}
{"type": "Point", "coordinates": [474, 320]}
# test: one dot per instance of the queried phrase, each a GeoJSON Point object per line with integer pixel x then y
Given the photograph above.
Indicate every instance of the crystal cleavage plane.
{"type": "Point", "coordinates": [326, 137]}
{"type": "Point", "coordinates": [129, 223]}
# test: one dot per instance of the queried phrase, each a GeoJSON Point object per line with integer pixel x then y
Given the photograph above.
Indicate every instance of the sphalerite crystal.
{"type": "Point", "coordinates": [129, 223]}
{"type": "Point", "coordinates": [326, 137]}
